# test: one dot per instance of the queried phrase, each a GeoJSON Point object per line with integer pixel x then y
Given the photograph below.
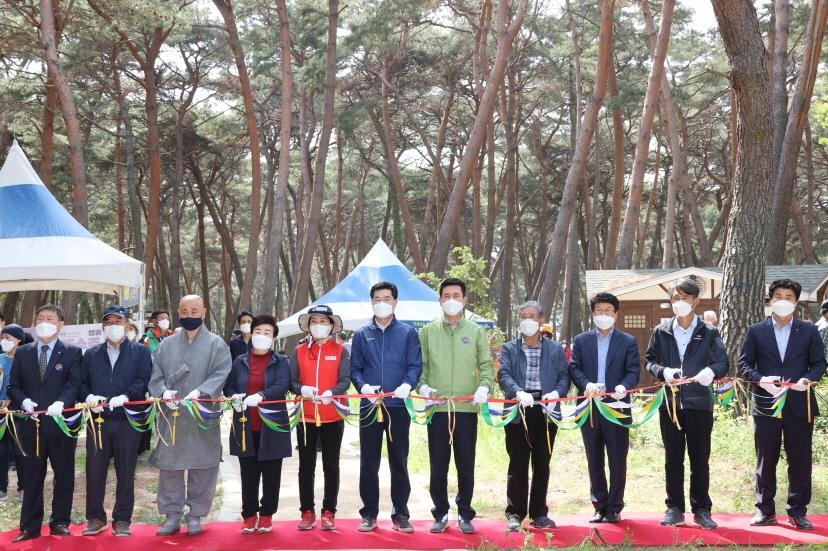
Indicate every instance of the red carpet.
{"type": "Point", "coordinates": [635, 529]}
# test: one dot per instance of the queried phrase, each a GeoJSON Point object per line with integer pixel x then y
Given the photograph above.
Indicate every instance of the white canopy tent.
{"type": "Point", "coordinates": [42, 247]}
{"type": "Point", "coordinates": [417, 303]}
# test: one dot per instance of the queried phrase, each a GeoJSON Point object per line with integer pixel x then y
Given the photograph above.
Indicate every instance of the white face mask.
{"type": "Point", "coordinates": [45, 329]}
{"type": "Point", "coordinates": [529, 327]}
{"type": "Point", "coordinates": [163, 325]}
{"type": "Point", "coordinates": [131, 335]}
{"type": "Point", "coordinates": [783, 308]}
{"type": "Point", "coordinates": [114, 333]}
{"type": "Point", "coordinates": [6, 345]}
{"type": "Point", "coordinates": [682, 308]}
{"type": "Point", "coordinates": [319, 331]}
{"type": "Point", "coordinates": [261, 342]}
{"type": "Point", "coordinates": [452, 307]}
{"type": "Point", "coordinates": [382, 309]}
{"type": "Point", "coordinates": [245, 327]}
{"type": "Point", "coordinates": [603, 322]}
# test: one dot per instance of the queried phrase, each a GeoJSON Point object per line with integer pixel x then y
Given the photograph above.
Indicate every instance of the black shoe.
{"type": "Point", "coordinates": [93, 527]}
{"type": "Point", "coordinates": [597, 517]}
{"type": "Point", "coordinates": [702, 518]}
{"type": "Point", "coordinates": [761, 519]}
{"type": "Point", "coordinates": [673, 517]}
{"type": "Point", "coordinates": [800, 522]}
{"type": "Point", "coordinates": [25, 535]}
{"type": "Point", "coordinates": [59, 530]}
{"type": "Point", "coordinates": [612, 516]}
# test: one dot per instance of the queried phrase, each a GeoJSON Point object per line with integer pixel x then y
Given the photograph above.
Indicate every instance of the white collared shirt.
{"type": "Point", "coordinates": [683, 336]}
{"type": "Point", "coordinates": [782, 334]}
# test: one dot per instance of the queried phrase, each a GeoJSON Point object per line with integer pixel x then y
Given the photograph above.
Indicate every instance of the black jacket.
{"type": "Point", "coordinates": [705, 349]}
{"type": "Point", "coordinates": [130, 375]}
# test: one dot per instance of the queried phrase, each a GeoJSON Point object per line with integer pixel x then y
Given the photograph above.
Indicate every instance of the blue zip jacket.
{"type": "Point", "coordinates": [130, 375]}
{"type": "Point", "coordinates": [387, 358]}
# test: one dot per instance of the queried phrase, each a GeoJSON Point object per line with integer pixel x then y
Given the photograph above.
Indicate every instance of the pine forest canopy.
{"type": "Point", "coordinates": [252, 151]}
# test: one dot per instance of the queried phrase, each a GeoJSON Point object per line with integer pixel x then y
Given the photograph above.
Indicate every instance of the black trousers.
{"type": "Point", "coordinates": [601, 436]}
{"type": "Point", "coordinates": [797, 434]}
{"type": "Point", "coordinates": [394, 428]}
{"type": "Point", "coordinates": [463, 443]}
{"type": "Point", "coordinates": [118, 441]}
{"type": "Point", "coordinates": [526, 444]}
{"type": "Point", "coordinates": [253, 471]}
{"type": "Point", "coordinates": [59, 451]}
{"type": "Point", "coordinates": [329, 436]}
{"type": "Point", "coordinates": [694, 435]}
{"type": "Point", "coordinates": [9, 451]}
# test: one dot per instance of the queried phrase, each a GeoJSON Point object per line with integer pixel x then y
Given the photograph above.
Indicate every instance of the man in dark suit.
{"type": "Point", "coordinates": [116, 371]}
{"type": "Point", "coordinates": [605, 358]}
{"type": "Point", "coordinates": [778, 350]}
{"type": "Point", "coordinates": [46, 372]}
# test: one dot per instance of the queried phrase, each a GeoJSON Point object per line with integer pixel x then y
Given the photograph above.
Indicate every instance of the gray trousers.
{"type": "Point", "coordinates": [199, 489]}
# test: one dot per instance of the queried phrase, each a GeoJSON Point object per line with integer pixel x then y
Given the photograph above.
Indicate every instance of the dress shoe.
{"type": "Point", "coordinates": [94, 526]}
{"type": "Point", "coordinates": [597, 517]}
{"type": "Point", "coordinates": [194, 526]}
{"type": "Point", "coordinates": [612, 516]}
{"type": "Point", "coordinates": [59, 530]}
{"type": "Point", "coordinates": [801, 522]}
{"type": "Point", "coordinates": [761, 519]}
{"type": "Point", "coordinates": [25, 535]}
{"type": "Point", "coordinates": [702, 518]}
{"type": "Point", "coordinates": [170, 527]}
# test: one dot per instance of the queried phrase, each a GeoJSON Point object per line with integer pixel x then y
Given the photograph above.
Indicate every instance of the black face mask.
{"type": "Point", "coordinates": [190, 323]}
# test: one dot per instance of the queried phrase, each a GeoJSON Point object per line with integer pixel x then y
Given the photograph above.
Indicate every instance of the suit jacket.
{"type": "Point", "coordinates": [804, 357]}
{"type": "Point", "coordinates": [60, 382]}
{"type": "Point", "coordinates": [553, 372]}
{"type": "Point", "coordinates": [623, 362]}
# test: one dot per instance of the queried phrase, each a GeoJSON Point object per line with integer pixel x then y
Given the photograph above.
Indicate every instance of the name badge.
{"type": "Point", "coordinates": [330, 357]}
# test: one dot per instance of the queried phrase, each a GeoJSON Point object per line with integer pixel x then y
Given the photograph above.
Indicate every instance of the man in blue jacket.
{"type": "Point", "coordinates": [783, 349]}
{"type": "Point", "coordinates": [605, 362]}
{"type": "Point", "coordinates": [113, 373]}
{"type": "Point", "coordinates": [685, 347]}
{"type": "Point", "coordinates": [385, 357]}
{"type": "Point", "coordinates": [531, 369]}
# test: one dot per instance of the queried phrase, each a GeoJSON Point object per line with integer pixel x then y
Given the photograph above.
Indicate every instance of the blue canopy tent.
{"type": "Point", "coordinates": [417, 303]}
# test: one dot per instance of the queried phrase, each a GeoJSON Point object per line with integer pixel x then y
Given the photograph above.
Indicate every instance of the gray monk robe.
{"type": "Point", "coordinates": [181, 365]}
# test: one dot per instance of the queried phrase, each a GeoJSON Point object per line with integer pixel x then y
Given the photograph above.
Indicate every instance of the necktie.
{"type": "Point", "coordinates": [42, 361]}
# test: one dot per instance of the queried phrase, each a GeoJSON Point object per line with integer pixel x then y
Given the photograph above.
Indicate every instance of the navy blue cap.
{"type": "Point", "coordinates": [115, 309]}
{"type": "Point", "coordinates": [15, 331]}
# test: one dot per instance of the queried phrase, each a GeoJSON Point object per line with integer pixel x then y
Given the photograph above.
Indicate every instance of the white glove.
{"type": "Point", "coordinates": [801, 385]}
{"type": "Point", "coordinates": [169, 397]}
{"type": "Point", "coordinates": [326, 397]}
{"type": "Point", "coordinates": [427, 391]}
{"type": "Point", "coordinates": [193, 395]}
{"type": "Point", "coordinates": [55, 409]}
{"type": "Point", "coordinates": [705, 376]}
{"type": "Point", "coordinates": [402, 391]}
{"type": "Point", "coordinates": [236, 401]}
{"type": "Point", "coordinates": [28, 406]}
{"type": "Point", "coordinates": [370, 389]}
{"type": "Point", "coordinates": [766, 383]}
{"type": "Point", "coordinates": [593, 389]}
{"type": "Point", "coordinates": [671, 374]}
{"type": "Point", "coordinates": [253, 401]}
{"type": "Point", "coordinates": [620, 392]}
{"type": "Point", "coordinates": [551, 396]}
{"type": "Point", "coordinates": [481, 395]}
{"type": "Point", "coordinates": [118, 401]}
{"type": "Point", "coordinates": [524, 398]}
{"type": "Point", "coordinates": [309, 391]}
{"type": "Point", "coordinates": [94, 399]}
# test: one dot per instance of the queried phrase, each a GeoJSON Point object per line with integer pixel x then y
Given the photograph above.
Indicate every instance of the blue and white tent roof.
{"type": "Point", "coordinates": [43, 247]}
{"type": "Point", "coordinates": [417, 303]}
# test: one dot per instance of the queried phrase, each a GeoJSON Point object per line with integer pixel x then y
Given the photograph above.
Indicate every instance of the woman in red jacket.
{"type": "Point", "coordinates": [320, 368]}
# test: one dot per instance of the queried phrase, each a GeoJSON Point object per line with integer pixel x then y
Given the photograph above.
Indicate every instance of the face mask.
{"type": "Point", "coordinates": [261, 342]}
{"type": "Point", "coordinates": [131, 335]}
{"type": "Point", "coordinates": [783, 308]}
{"type": "Point", "coordinates": [114, 333]}
{"type": "Point", "coordinates": [681, 308]}
{"type": "Point", "coordinates": [529, 327]}
{"type": "Point", "coordinates": [45, 330]}
{"type": "Point", "coordinates": [6, 345]}
{"type": "Point", "coordinates": [382, 310]}
{"type": "Point", "coordinates": [190, 323]}
{"type": "Point", "coordinates": [319, 331]}
{"type": "Point", "coordinates": [163, 325]}
{"type": "Point", "coordinates": [452, 307]}
{"type": "Point", "coordinates": [603, 322]}
{"type": "Point", "coordinates": [245, 327]}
